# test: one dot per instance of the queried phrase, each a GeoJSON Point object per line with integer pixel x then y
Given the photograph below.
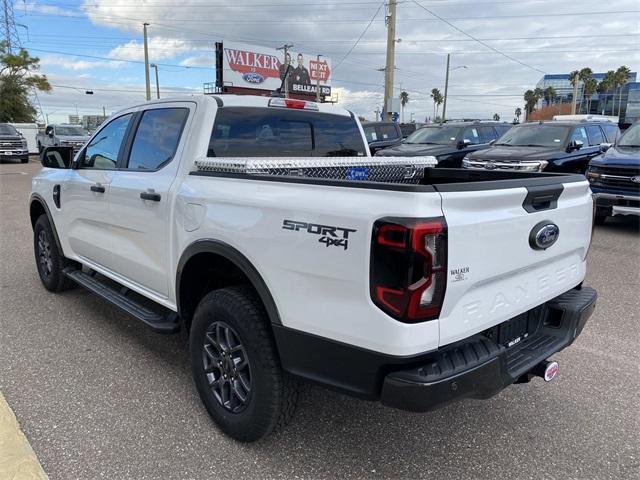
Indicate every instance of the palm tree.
{"type": "Point", "coordinates": [517, 113]}
{"type": "Point", "coordinates": [584, 75]}
{"type": "Point", "coordinates": [496, 117]}
{"type": "Point", "coordinates": [621, 77]}
{"type": "Point", "coordinates": [539, 93]}
{"type": "Point", "coordinates": [607, 83]}
{"type": "Point", "coordinates": [530, 100]}
{"type": "Point", "coordinates": [574, 78]}
{"type": "Point", "coordinates": [404, 99]}
{"type": "Point", "coordinates": [588, 89]}
{"type": "Point", "coordinates": [549, 95]}
{"type": "Point", "coordinates": [437, 100]}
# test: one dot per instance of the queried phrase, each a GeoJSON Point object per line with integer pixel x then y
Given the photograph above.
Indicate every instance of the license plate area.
{"type": "Point", "coordinates": [518, 329]}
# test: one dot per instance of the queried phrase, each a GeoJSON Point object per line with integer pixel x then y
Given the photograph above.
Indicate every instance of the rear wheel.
{"type": "Point", "coordinates": [236, 366]}
{"type": "Point", "coordinates": [49, 258]}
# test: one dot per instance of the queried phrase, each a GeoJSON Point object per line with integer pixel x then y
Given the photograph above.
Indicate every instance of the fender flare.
{"type": "Point", "coordinates": [239, 260]}
{"type": "Point", "coordinates": [35, 197]}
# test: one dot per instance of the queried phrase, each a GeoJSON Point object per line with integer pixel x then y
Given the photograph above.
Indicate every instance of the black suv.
{"type": "Point", "coordinates": [381, 135]}
{"type": "Point", "coordinates": [13, 146]}
{"type": "Point", "coordinates": [449, 142]}
{"type": "Point", "coordinates": [553, 146]}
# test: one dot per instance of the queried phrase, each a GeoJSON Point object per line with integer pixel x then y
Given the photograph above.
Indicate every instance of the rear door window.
{"type": "Point", "coordinates": [595, 135]}
{"type": "Point", "coordinates": [276, 132]}
{"type": "Point", "coordinates": [486, 134]}
{"type": "Point", "coordinates": [611, 132]}
{"type": "Point", "coordinates": [157, 138]}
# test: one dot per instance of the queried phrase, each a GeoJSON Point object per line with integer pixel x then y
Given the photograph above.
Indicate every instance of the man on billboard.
{"type": "Point", "coordinates": [284, 66]}
{"type": "Point", "coordinates": [300, 73]}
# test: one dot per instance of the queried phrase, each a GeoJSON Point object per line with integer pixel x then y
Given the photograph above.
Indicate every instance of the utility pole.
{"type": "Point", "coordinates": [285, 48]}
{"type": "Point", "coordinates": [575, 97]}
{"type": "Point", "coordinates": [390, 64]}
{"type": "Point", "coordinates": [9, 25]}
{"type": "Point", "coordinates": [446, 89]}
{"type": "Point", "coordinates": [104, 112]}
{"type": "Point", "coordinates": [318, 79]}
{"type": "Point", "coordinates": [146, 61]}
{"type": "Point", "coordinates": [153, 65]}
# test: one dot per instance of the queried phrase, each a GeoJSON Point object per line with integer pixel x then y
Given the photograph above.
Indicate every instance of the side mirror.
{"type": "Point", "coordinates": [50, 133]}
{"type": "Point", "coordinates": [605, 146]}
{"type": "Point", "coordinates": [575, 145]}
{"type": "Point", "coordinates": [463, 143]}
{"type": "Point", "coordinates": [56, 157]}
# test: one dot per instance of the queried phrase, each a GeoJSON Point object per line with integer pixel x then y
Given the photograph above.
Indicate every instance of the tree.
{"type": "Point", "coordinates": [17, 78]}
{"type": "Point", "coordinates": [574, 79]}
{"type": "Point", "coordinates": [539, 93]}
{"type": "Point", "coordinates": [549, 95]}
{"type": "Point", "coordinates": [621, 77]}
{"type": "Point", "coordinates": [584, 75]}
{"type": "Point", "coordinates": [607, 83]}
{"type": "Point", "coordinates": [437, 100]}
{"type": "Point", "coordinates": [530, 99]}
{"type": "Point", "coordinates": [404, 99]}
{"type": "Point", "coordinates": [588, 89]}
{"type": "Point", "coordinates": [496, 117]}
{"type": "Point", "coordinates": [518, 113]}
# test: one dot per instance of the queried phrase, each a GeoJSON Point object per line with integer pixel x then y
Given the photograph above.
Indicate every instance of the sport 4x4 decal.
{"type": "Point", "coordinates": [330, 236]}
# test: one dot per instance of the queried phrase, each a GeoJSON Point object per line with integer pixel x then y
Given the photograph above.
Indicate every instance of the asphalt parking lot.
{"type": "Point", "coordinates": [100, 396]}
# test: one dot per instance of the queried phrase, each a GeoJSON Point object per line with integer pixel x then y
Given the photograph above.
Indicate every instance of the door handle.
{"type": "Point", "coordinates": [97, 188]}
{"type": "Point", "coordinates": [150, 195]}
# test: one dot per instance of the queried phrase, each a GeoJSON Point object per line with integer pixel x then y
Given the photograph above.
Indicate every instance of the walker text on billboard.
{"type": "Point", "coordinates": [253, 66]}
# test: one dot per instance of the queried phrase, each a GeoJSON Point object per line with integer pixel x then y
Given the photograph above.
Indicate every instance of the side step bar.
{"type": "Point", "coordinates": [159, 323]}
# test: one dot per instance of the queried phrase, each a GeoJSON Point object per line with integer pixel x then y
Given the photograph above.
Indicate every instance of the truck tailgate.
{"type": "Point", "coordinates": [496, 270]}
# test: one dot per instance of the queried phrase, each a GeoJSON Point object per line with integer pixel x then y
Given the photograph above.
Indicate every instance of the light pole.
{"type": "Point", "coordinates": [446, 87]}
{"type": "Point", "coordinates": [153, 65]}
{"type": "Point", "coordinates": [411, 118]}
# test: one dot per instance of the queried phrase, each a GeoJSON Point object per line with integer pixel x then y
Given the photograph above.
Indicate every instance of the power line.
{"type": "Point", "coordinates": [359, 38]}
{"type": "Point", "coordinates": [478, 40]}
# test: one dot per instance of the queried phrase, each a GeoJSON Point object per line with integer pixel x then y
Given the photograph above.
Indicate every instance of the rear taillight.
{"type": "Point", "coordinates": [408, 267]}
{"type": "Point", "coordinates": [293, 103]}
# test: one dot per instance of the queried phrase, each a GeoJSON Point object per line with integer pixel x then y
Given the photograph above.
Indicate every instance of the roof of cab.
{"type": "Point", "coordinates": [231, 100]}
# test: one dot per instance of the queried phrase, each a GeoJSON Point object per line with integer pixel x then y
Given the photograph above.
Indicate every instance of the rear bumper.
{"type": "Point", "coordinates": [480, 366]}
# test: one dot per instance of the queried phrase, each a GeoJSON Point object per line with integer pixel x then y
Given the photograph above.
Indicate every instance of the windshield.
{"type": "Point", "coordinates": [434, 135]}
{"type": "Point", "coordinates": [70, 131]}
{"type": "Point", "coordinates": [6, 129]}
{"type": "Point", "coordinates": [631, 137]}
{"type": "Point", "coordinates": [535, 135]}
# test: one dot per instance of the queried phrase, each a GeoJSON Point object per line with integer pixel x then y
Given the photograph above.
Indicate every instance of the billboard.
{"type": "Point", "coordinates": [264, 68]}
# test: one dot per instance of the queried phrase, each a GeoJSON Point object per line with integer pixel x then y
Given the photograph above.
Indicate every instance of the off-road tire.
{"type": "Point", "coordinates": [51, 275]}
{"type": "Point", "coordinates": [272, 400]}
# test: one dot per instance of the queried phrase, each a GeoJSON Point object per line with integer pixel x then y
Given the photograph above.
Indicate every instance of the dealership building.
{"type": "Point", "coordinates": [601, 103]}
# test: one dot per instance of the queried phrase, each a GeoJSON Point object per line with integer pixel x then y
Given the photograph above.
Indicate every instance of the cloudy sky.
{"type": "Point", "coordinates": [97, 45]}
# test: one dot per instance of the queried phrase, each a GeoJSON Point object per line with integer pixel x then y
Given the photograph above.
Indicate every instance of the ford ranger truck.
{"type": "Point", "coordinates": [615, 177]}
{"type": "Point", "coordinates": [13, 146]}
{"type": "Point", "coordinates": [263, 228]}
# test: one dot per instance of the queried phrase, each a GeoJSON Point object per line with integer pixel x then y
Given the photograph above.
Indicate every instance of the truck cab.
{"type": "Point", "coordinates": [13, 146]}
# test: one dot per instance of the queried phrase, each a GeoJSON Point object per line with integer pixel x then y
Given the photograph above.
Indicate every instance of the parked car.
{"type": "Point", "coordinates": [380, 277]}
{"type": "Point", "coordinates": [381, 135]}
{"type": "Point", "coordinates": [615, 176]}
{"type": "Point", "coordinates": [64, 136]}
{"type": "Point", "coordinates": [449, 142]}
{"type": "Point", "coordinates": [13, 146]}
{"type": "Point", "coordinates": [553, 146]}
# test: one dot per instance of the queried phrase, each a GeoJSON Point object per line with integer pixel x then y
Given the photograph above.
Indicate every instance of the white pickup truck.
{"type": "Point", "coordinates": [263, 227]}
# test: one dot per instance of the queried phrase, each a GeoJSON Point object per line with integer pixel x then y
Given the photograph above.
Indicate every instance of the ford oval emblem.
{"type": "Point", "coordinates": [490, 166]}
{"type": "Point", "coordinates": [543, 235]}
{"type": "Point", "coordinates": [635, 179]}
{"type": "Point", "coordinates": [253, 77]}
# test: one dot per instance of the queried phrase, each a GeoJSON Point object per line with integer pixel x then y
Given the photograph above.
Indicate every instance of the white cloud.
{"type": "Point", "coordinates": [199, 61]}
{"type": "Point", "coordinates": [75, 63]}
{"type": "Point", "coordinates": [159, 48]}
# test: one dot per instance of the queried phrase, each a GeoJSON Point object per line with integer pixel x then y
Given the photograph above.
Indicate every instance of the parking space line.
{"type": "Point", "coordinates": [17, 459]}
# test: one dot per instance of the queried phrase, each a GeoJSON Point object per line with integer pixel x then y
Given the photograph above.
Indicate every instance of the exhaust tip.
{"type": "Point", "coordinates": [548, 370]}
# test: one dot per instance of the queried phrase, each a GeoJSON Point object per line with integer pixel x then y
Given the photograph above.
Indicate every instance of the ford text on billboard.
{"type": "Point", "coordinates": [263, 67]}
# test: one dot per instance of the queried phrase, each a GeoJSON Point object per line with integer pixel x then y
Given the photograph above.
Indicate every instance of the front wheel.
{"type": "Point", "coordinates": [236, 367]}
{"type": "Point", "coordinates": [49, 258]}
